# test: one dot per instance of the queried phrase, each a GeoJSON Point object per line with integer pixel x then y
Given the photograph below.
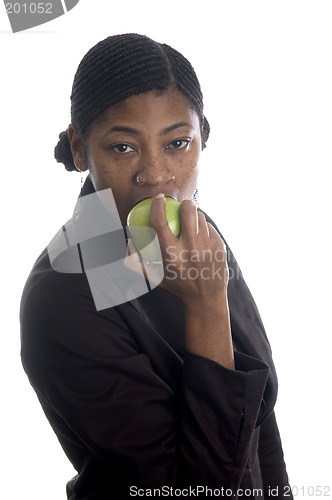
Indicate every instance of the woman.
{"type": "Point", "coordinates": [174, 388]}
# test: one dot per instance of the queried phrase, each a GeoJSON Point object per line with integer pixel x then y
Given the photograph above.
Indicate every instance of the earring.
{"type": "Point", "coordinates": [82, 179]}
{"type": "Point", "coordinates": [195, 197]}
{"type": "Point", "coordinates": [77, 209]}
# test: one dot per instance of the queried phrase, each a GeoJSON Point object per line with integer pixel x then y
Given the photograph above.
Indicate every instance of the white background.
{"type": "Point", "coordinates": [265, 69]}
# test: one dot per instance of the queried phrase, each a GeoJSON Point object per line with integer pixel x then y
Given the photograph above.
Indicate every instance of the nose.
{"type": "Point", "coordinates": [154, 170]}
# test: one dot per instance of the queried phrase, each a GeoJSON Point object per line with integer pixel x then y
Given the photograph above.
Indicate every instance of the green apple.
{"type": "Point", "coordinates": [139, 223]}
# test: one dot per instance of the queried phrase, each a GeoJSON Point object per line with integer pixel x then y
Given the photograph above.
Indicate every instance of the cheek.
{"type": "Point", "coordinates": [191, 170]}
{"type": "Point", "coordinates": [188, 178]}
{"type": "Point", "coordinates": [99, 177]}
{"type": "Point", "coordinates": [104, 175]}
{"type": "Point", "coordinates": [192, 174]}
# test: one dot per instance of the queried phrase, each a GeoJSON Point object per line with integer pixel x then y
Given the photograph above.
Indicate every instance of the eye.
{"type": "Point", "coordinates": [179, 144]}
{"type": "Point", "coordinates": [122, 148]}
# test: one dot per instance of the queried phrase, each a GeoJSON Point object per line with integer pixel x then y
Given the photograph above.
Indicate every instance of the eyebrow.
{"type": "Point", "coordinates": [135, 131]}
{"type": "Point", "coordinates": [176, 125]}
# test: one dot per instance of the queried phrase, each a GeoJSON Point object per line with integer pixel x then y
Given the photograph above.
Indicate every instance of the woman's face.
{"type": "Point", "coordinates": [147, 144]}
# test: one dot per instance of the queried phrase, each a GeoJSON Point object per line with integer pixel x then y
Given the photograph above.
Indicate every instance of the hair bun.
{"type": "Point", "coordinates": [62, 153]}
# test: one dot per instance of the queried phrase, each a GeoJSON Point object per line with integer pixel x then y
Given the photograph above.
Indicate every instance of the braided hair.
{"type": "Point", "coordinates": [121, 66]}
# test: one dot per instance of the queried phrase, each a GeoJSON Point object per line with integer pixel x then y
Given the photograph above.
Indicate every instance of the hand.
{"type": "Point", "coordinates": [195, 264]}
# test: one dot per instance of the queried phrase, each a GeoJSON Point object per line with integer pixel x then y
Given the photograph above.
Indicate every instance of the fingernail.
{"type": "Point", "coordinates": [160, 195]}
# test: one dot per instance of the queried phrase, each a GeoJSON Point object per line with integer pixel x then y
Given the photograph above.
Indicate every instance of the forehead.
{"type": "Point", "coordinates": [153, 106]}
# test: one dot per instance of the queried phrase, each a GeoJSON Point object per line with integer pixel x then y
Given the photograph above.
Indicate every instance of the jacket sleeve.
{"type": "Point", "coordinates": [272, 462]}
{"type": "Point", "coordinates": [104, 399]}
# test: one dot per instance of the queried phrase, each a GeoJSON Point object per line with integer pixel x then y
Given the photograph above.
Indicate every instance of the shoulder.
{"type": "Point", "coordinates": [48, 292]}
{"type": "Point", "coordinates": [58, 315]}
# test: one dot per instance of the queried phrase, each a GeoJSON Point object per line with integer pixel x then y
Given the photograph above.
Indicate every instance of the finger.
{"type": "Point", "coordinates": [159, 223]}
{"type": "Point", "coordinates": [219, 243]}
{"type": "Point", "coordinates": [131, 249]}
{"type": "Point", "coordinates": [215, 235]}
{"type": "Point", "coordinates": [132, 260]}
{"type": "Point", "coordinates": [153, 272]}
{"type": "Point", "coordinates": [158, 218]}
{"type": "Point", "coordinates": [203, 227]}
{"type": "Point", "coordinates": [189, 220]}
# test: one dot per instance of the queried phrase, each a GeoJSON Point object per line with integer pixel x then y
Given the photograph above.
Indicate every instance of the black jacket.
{"type": "Point", "coordinates": [133, 410]}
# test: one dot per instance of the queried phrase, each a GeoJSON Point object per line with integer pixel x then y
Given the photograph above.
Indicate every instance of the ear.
{"type": "Point", "coordinates": [77, 148]}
